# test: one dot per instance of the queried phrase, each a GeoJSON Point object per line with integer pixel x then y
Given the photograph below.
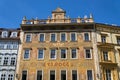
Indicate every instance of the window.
{"type": "Point", "coordinates": [108, 74]}
{"type": "Point", "coordinates": [73, 53]}
{"type": "Point", "coordinates": [15, 45]}
{"type": "Point", "coordinates": [52, 74]}
{"type": "Point", "coordinates": [5, 61]}
{"type": "Point", "coordinates": [88, 54]}
{"type": "Point", "coordinates": [63, 37]}
{"type": "Point", "coordinates": [28, 38]}
{"type": "Point", "coordinates": [9, 46]}
{"type": "Point", "coordinates": [53, 37]}
{"type": "Point", "coordinates": [4, 34]}
{"type": "Point", "coordinates": [26, 53]}
{"type": "Point", "coordinates": [74, 74]}
{"type": "Point", "coordinates": [105, 55]}
{"type": "Point", "coordinates": [13, 34]}
{"type": "Point", "coordinates": [63, 75]}
{"type": "Point", "coordinates": [73, 37]}
{"type": "Point", "coordinates": [42, 37]}
{"type": "Point", "coordinates": [118, 40]}
{"type": "Point", "coordinates": [86, 37]}
{"type": "Point", "coordinates": [0, 60]}
{"type": "Point", "coordinates": [89, 75]}
{"type": "Point", "coordinates": [39, 75]}
{"type": "Point", "coordinates": [3, 76]}
{"type": "Point", "coordinates": [10, 77]}
{"type": "Point", "coordinates": [53, 53]}
{"type": "Point", "coordinates": [12, 61]}
{"type": "Point", "coordinates": [63, 53]}
{"type": "Point", "coordinates": [24, 75]}
{"type": "Point", "coordinates": [1, 45]}
{"type": "Point", "coordinates": [40, 54]}
{"type": "Point", "coordinates": [103, 39]}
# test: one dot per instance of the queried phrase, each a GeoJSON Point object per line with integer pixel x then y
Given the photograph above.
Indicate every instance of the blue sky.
{"type": "Point", "coordinates": [12, 11]}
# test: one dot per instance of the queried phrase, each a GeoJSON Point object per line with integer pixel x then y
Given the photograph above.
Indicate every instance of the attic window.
{"type": "Point", "coordinates": [4, 34]}
{"type": "Point", "coordinates": [13, 34]}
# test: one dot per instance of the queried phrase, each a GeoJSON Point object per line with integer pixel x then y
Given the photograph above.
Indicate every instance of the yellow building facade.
{"type": "Point", "coordinates": [61, 48]}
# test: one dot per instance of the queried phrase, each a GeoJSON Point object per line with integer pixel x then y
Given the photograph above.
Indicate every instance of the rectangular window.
{"type": "Point", "coordinates": [0, 60]}
{"type": "Point", "coordinates": [108, 74]}
{"type": "Point", "coordinates": [53, 53]}
{"type": "Point", "coordinates": [89, 75]}
{"type": "Point", "coordinates": [15, 45]}
{"type": "Point", "coordinates": [53, 37]}
{"type": "Point", "coordinates": [103, 39]}
{"type": "Point", "coordinates": [10, 77]}
{"type": "Point", "coordinates": [86, 36]}
{"type": "Point", "coordinates": [24, 75]}
{"type": "Point", "coordinates": [9, 46]}
{"type": "Point", "coordinates": [88, 54]}
{"type": "Point", "coordinates": [39, 75]}
{"type": "Point", "coordinates": [63, 37]}
{"type": "Point", "coordinates": [2, 45]}
{"type": "Point", "coordinates": [26, 53]}
{"type": "Point", "coordinates": [118, 40]}
{"type": "Point", "coordinates": [52, 75]}
{"type": "Point", "coordinates": [28, 38]}
{"type": "Point", "coordinates": [73, 53]}
{"type": "Point", "coordinates": [63, 75]}
{"type": "Point", "coordinates": [74, 74]}
{"type": "Point", "coordinates": [5, 61]}
{"type": "Point", "coordinates": [73, 37]}
{"type": "Point", "coordinates": [105, 55]}
{"type": "Point", "coordinates": [42, 37]}
{"type": "Point", "coordinates": [12, 61]}
{"type": "Point", "coordinates": [63, 54]}
{"type": "Point", "coordinates": [40, 53]}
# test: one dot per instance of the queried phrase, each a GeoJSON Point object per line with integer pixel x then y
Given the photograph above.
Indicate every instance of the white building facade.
{"type": "Point", "coordinates": [9, 45]}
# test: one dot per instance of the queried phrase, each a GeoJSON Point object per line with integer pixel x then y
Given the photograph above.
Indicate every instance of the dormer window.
{"type": "Point", "coordinates": [4, 34]}
{"type": "Point", "coordinates": [13, 34]}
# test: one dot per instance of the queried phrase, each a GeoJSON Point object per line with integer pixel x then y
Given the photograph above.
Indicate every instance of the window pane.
{"type": "Point", "coordinates": [40, 53]}
{"type": "Point", "coordinates": [74, 54]}
{"type": "Point", "coordinates": [118, 40]}
{"type": "Point", "coordinates": [28, 37]}
{"type": "Point", "coordinates": [63, 74]}
{"type": "Point", "coordinates": [53, 54]}
{"type": "Point", "coordinates": [52, 75]}
{"type": "Point", "coordinates": [24, 75]}
{"type": "Point", "coordinates": [39, 75]}
{"type": "Point", "coordinates": [74, 74]}
{"type": "Point", "coordinates": [89, 75]}
{"type": "Point", "coordinates": [26, 54]}
{"type": "Point", "coordinates": [41, 37]}
{"type": "Point", "coordinates": [63, 37]}
{"type": "Point", "coordinates": [73, 37]}
{"type": "Point", "coordinates": [88, 54]}
{"type": "Point", "coordinates": [108, 74]}
{"type": "Point", "coordinates": [63, 53]}
{"type": "Point", "coordinates": [103, 39]}
{"type": "Point", "coordinates": [86, 36]}
{"type": "Point", "coordinates": [53, 37]}
{"type": "Point", "coordinates": [10, 77]}
{"type": "Point", "coordinates": [105, 55]}
{"type": "Point", "coordinates": [5, 61]}
{"type": "Point", "coordinates": [3, 76]}
{"type": "Point", "coordinates": [12, 61]}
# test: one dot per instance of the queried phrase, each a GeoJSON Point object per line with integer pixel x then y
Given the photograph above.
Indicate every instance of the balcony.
{"type": "Point", "coordinates": [105, 45]}
{"type": "Point", "coordinates": [108, 63]}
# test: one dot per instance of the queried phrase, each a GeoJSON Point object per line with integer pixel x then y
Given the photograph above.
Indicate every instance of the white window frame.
{"type": "Point", "coordinates": [28, 56]}
{"type": "Point", "coordinates": [39, 37]}
{"type": "Point", "coordinates": [55, 37]}
{"type": "Point", "coordinates": [90, 53]}
{"type": "Point", "coordinates": [65, 53]}
{"type": "Point", "coordinates": [92, 74]}
{"type": "Point", "coordinates": [27, 74]}
{"type": "Point", "coordinates": [10, 77]}
{"type": "Point", "coordinates": [12, 60]}
{"type": "Point", "coordinates": [14, 35]}
{"type": "Point", "coordinates": [66, 73]}
{"type": "Point", "coordinates": [55, 54]}
{"type": "Point", "coordinates": [43, 54]}
{"type": "Point", "coordinates": [76, 53]}
{"type": "Point", "coordinates": [61, 36]}
{"type": "Point", "coordinates": [75, 36]}
{"type": "Point", "coordinates": [88, 36]}
{"type": "Point", "coordinates": [77, 74]}
{"type": "Point", "coordinates": [4, 34]}
{"type": "Point", "coordinates": [49, 74]}
{"type": "Point", "coordinates": [6, 60]}
{"type": "Point", "coordinates": [26, 37]}
{"type": "Point", "coordinates": [42, 73]}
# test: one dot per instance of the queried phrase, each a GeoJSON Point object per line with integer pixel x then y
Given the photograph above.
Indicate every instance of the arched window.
{"type": "Point", "coordinates": [3, 76]}
{"type": "Point", "coordinates": [4, 34]}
